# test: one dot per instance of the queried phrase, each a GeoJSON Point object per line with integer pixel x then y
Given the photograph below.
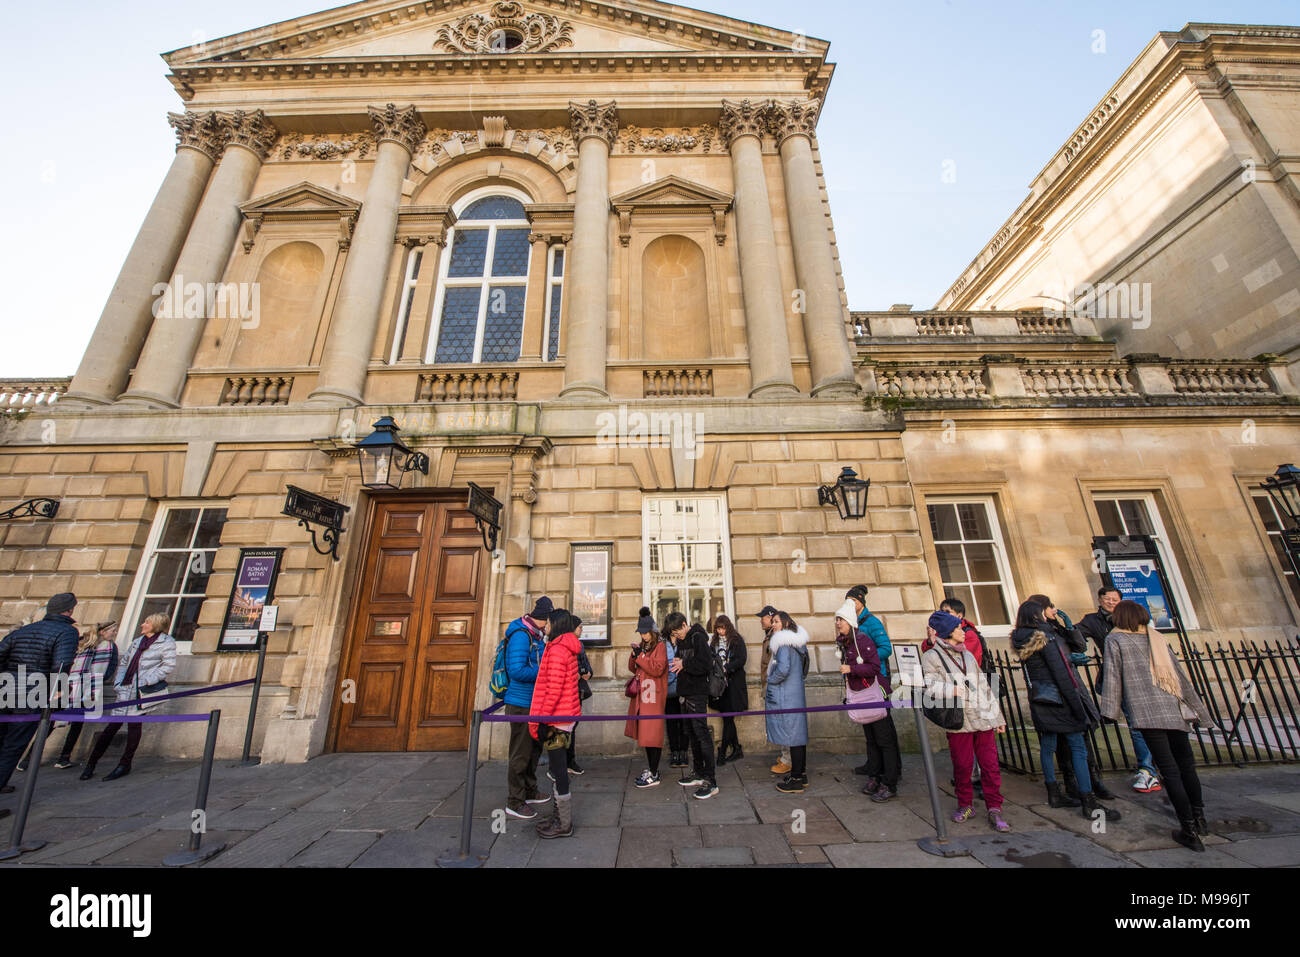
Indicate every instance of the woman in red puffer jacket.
{"type": "Point", "coordinates": [556, 693]}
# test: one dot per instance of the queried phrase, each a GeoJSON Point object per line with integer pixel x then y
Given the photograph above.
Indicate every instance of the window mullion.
{"type": "Point", "coordinates": [480, 327]}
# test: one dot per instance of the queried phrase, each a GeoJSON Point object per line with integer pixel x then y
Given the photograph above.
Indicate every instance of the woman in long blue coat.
{"type": "Point", "coordinates": [785, 675]}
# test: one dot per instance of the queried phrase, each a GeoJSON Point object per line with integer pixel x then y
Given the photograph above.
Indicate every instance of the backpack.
{"type": "Point", "coordinates": [717, 677]}
{"type": "Point", "coordinates": [500, 677]}
{"type": "Point", "coordinates": [987, 665]}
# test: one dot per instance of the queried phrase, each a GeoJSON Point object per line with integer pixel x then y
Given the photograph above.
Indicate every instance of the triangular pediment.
{"type": "Point", "coordinates": [303, 197]}
{"type": "Point", "coordinates": [671, 191]}
{"type": "Point", "coordinates": [382, 28]}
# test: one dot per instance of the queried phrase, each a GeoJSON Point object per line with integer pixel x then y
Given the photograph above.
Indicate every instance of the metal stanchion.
{"type": "Point", "coordinates": [17, 845]}
{"type": "Point", "coordinates": [464, 858]}
{"type": "Point", "coordinates": [193, 853]}
{"type": "Point", "coordinates": [937, 845]}
{"type": "Point", "coordinates": [262, 640]}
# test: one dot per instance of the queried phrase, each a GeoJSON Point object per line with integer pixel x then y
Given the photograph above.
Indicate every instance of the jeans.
{"type": "Point", "coordinates": [677, 737]}
{"type": "Point", "coordinates": [884, 762]}
{"type": "Point", "coordinates": [558, 763]}
{"type": "Point", "coordinates": [701, 736]}
{"type": "Point", "coordinates": [798, 760]}
{"type": "Point", "coordinates": [1173, 756]}
{"type": "Point", "coordinates": [1140, 749]}
{"type": "Point", "coordinates": [967, 748]}
{"type": "Point", "coordinates": [521, 773]}
{"type": "Point", "coordinates": [14, 738]}
{"type": "Point", "coordinates": [102, 740]}
{"type": "Point", "coordinates": [1078, 753]}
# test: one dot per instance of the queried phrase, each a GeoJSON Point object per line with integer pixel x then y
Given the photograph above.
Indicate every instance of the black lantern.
{"type": "Point", "coordinates": [848, 494]}
{"type": "Point", "coordinates": [1283, 487]}
{"type": "Point", "coordinates": [384, 459]}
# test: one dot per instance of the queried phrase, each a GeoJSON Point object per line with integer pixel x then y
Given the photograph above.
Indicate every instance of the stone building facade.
{"type": "Point", "coordinates": [582, 254]}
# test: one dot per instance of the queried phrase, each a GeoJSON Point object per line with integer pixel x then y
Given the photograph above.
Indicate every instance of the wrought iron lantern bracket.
{"type": "Point", "coordinates": [32, 508]}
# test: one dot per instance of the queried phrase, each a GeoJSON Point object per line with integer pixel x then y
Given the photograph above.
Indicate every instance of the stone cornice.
{"type": "Point", "coordinates": [199, 131]}
{"type": "Point", "coordinates": [787, 118]}
{"type": "Point", "coordinates": [594, 119]}
{"type": "Point", "coordinates": [249, 129]}
{"type": "Point", "coordinates": [403, 127]}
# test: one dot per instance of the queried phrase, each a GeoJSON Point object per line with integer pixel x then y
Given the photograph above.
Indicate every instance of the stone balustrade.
{"type": "Point", "coordinates": [665, 383]}
{"type": "Point", "coordinates": [256, 390]}
{"type": "Point", "coordinates": [1068, 380]}
{"type": "Point", "coordinates": [1219, 378]}
{"type": "Point", "coordinates": [974, 324]}
{"type": "Point", "coordinates": [1041, 324]}
{"type": "Point", "coordinates": [17, 395]}
{"type": "Point", "coordinates": [467, 386]}
{"type": "Point", "coordinates": [943, 380]}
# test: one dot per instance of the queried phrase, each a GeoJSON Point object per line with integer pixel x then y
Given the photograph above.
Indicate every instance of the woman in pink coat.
{"type": "Point", "coordinates": [649, 665]}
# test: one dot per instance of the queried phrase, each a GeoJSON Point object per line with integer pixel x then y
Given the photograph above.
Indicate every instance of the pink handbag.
{"type": "Point", "coordinates": [872, 694]}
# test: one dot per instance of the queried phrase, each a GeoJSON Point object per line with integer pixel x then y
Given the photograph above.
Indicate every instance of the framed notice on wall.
{"type": "Point", "coordinates": [253, 590]}
{"type": "Point", "coordinates": [591, 565]}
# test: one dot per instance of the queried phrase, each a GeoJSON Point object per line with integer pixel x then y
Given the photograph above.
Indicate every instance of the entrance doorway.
{"type": "Point", "coordinates": [408, 673]}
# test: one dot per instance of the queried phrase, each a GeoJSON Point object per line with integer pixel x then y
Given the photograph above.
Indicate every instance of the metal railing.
{"type": "Point", "coordinates": [1252, 691]}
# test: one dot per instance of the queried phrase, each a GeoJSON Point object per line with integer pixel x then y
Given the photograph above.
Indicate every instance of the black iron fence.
{"type": "Point", "coordinates": [1251, 690]}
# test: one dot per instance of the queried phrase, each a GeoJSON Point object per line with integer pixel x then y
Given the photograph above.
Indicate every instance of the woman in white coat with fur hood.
{"type": "Point", "coordinates": [785, 675]}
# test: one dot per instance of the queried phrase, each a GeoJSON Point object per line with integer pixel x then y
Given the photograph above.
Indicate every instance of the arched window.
{"type": "Point", "coordinates": [483, 282]}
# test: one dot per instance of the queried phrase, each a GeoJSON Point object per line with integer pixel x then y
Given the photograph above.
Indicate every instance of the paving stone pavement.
{"type": "Point", "coordinates": [404, 810]}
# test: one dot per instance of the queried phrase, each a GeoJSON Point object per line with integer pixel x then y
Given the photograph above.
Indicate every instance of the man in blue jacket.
{"type": "Point", "coordinates": [44, 647]}
{"type": "Point", "coordinates": [525, 640]}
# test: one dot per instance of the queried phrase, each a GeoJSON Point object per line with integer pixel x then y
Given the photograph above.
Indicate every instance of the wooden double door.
{"type": "Point", "coordinates": [408, 674]}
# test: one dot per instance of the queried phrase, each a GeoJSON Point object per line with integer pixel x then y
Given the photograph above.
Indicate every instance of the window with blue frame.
{"type": "Point", "coordinates": [479, 309]}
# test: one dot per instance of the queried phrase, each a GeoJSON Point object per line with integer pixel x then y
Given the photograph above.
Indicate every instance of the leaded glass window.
{"type": "Point", "coordinates": [554, 292]}
{"type": "Point", "coordinates": [479, 309]}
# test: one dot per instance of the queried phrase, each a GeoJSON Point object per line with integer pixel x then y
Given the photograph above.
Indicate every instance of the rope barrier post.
{"type": "Point", "coordinates": [17, 845]}
{"type": "Point", "coordinates": [464, 858]}
{"type": "Point", "coordinates": [193, 853]}
{"type": "Point", "coordinates": [247, 761]}
{"type": "Point", "coordinates": [939, 844]}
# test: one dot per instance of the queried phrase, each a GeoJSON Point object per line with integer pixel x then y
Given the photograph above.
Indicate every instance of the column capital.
{"type": "Point", "coordinates": [743, 118]}
{"type": "Point", "coordinates": [787, 118]}
{"type": "Point", "coordinates": [403, 127]}
{"type": "Point", "coordinates": [594, 119]}
{"type": "Point", "coordinates": [199, 131]}
{"type": "Point", "coordinates": [249, 129]}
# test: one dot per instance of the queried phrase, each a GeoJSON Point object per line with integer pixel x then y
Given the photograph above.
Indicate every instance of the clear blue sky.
{"type": "Point", "coordinates": [995, 87]}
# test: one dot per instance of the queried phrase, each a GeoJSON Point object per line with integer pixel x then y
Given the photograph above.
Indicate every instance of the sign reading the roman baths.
{"type": "Point", "coordinates": [253, 590]}
{"type": "Point", "coordinates": [591, 565]}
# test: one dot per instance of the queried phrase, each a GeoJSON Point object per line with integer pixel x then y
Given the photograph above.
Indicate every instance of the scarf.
{"type": "Point", "coordinates": [1163, 674]}
{"type": "Point", "coordinates": [134, 666]}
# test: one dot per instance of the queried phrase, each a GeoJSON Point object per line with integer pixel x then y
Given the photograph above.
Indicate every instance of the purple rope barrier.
{"type": "Point", "coordinates": [552, 718]}
{"type": "Point", "coordinates": [152, 699]}
{"type": "Point", "coordinates": [104, 719]}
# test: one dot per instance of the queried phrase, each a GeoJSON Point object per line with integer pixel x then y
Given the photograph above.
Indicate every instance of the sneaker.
{"type": "Point", "coordinates": [791, 784]}
{"type": "Point", "coordinates": [64, 763]}
{"type": "Point", "coordinates": [577, 769]}
{"type": "Point", "coordinates": [884, 793]}
{"type": "Point", "coordinates": [692, 781]}
{"type": "Point", "coordinates": [996, 822]}
{"type": "Point", "coordinates": [780, 767]}
{"type": "Point", "coordinates": [962, 815]}
{"type": "Point", "coordinates": [647, 780]}
{"type": "Point", "coordinates": [705, 791]}
{"type": "Point", "coordinates": [538, 798]}
{"type": "Point", "coordinates": [521, 811]}
{"type": "Point", "coordinates": [678, 760]}
{"type": "Point", "coordinates": [872, 786]}
{"type": "Point", "coordinates": [1146, 782]}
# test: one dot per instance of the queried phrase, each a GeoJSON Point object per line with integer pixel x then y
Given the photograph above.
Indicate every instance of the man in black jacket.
{"type": "Point", "coordinates": [44, 647]}
{"type": "Point", "coordinates": [1097, 624]}
{"type": "Point", "coordinates": [693, 663]}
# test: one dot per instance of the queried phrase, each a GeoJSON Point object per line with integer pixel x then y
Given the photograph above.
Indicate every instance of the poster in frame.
{"type": "Point", "coordinates": [590, 588]}
{"type": "Point", "coordinates": [253, 589]}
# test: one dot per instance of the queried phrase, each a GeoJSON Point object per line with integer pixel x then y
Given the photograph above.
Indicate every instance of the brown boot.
{"type": "Point", "coordinates": [561, 825]}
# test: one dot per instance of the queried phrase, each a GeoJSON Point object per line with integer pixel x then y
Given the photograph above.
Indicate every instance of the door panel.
{"type": "Point", "coordinates": [413, 646]}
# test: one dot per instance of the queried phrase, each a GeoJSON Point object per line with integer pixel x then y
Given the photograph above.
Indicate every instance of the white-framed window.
{"type": "Point", "coordinates": [1273, 525]}
{"type": "Point", "coordinates": [554, 300]}
{"type": "Point", "coordinates": [173, 575]}
{"type": "Point", "coordinates": [478, 312]}
{"type": "Point", "coordinates": [686, 556]}
{"type": "Point", "coordinates": [414, 257]}
{"type": "Point", "coordinates": [1135, 513]}
{"type": "Point", "coordinates": [973, 562]}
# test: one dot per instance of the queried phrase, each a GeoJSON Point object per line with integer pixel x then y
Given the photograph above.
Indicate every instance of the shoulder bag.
{"type": "Point", "coordinates": [948, 717]}
{"type": "Point", "coordinates": [871, 694]}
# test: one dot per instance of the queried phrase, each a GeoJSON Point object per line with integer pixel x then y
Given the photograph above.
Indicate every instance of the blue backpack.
{"type": "Point", "coordinates": [500, 677]}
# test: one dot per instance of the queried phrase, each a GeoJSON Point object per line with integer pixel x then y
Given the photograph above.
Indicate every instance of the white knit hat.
{"type": "Point", "coordinates": [849, 612]}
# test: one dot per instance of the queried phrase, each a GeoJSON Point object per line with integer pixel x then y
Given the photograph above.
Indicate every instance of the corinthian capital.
{"type": "Point", "coordinates": [594, 119]}
{"type": "Point", "coordinates": [250, 129]}
{"type": "Point", "coordinates": [788, 118]}
{"type": "Point", "coordinates": [403, 127]}
{"type": "Point", "coordinates": [198, 131]}
{"type": "Point", "coordinates": [743, 118]}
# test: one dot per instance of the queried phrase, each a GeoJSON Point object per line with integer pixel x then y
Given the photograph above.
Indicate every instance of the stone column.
{"type": "Point", "coordinates": [356, 311]}
{"type": "Point", "coordinates": [124, 324]}
{"type": "Point", "coordinates": [165, 360]}
{"type": "Point", "coordinates": [770, 370]}
{"type": "Point", "coordinates": [831, 361]}
{"type": "Point", "coordinates": [587, 281]}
